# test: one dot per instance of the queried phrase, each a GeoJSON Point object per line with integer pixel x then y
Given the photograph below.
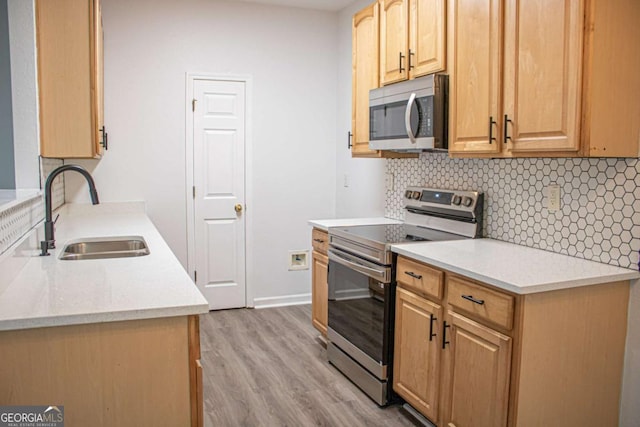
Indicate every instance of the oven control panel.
{"type": "Point", "coordinates": [458, 200]}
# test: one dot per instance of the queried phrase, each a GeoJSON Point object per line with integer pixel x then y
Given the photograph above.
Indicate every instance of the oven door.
{"type": "Point", "coordinates": [361, 310]}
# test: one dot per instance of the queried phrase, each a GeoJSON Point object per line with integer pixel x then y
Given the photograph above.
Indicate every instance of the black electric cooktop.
{"type": "Point", "coordinates": [394, 233]}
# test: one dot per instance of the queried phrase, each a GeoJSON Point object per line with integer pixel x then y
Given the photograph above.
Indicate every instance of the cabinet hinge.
{"type": "Point", "coordinates": [193, 104]}
{"type": "Point", "coordinates": [195, 276]}
{"type": "Point", "coordinates": [194, 191]}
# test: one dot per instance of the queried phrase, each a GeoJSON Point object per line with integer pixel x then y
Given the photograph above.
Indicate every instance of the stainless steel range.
{"type": "Point", "coordinates": [362, 286]}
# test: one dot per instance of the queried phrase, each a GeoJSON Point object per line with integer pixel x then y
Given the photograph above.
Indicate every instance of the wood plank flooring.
{"type": "Point", "coordinates": [265, 368]}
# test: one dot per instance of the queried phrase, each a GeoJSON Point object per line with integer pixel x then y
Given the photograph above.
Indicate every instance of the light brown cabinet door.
{"type": "Point", "coordinates": [475, 81]}
{"type": "Point", "coordinates": [98, 72]}
{"type": "Point", "coordinates": [366, 76]}
{"type": "Point", "coordinates": [476, 375]}
{"type": "Point", "coordinates": [319, 292]}
{"type": "Point", "coordinates": [394, 40]}
{"type": "Point", "coordinates": [543, 45]}
{"type": "Point", "coordinates": [427, 37]}
{"type": "Point", "coordinates": [70, 97]}
{"type": "Point", "coordinates": [416, 363]}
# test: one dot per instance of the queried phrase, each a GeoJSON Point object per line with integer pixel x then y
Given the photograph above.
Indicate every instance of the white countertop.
{"type": "Point", "coordinates": [512, 267]}
{"type": "Point", "coordinates": [325, 224]}
{"type": "Point", "coordinates": [47, 291]}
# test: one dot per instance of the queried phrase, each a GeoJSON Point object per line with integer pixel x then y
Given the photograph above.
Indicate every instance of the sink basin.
{"type": "Point", "coordinates": [105, 247]}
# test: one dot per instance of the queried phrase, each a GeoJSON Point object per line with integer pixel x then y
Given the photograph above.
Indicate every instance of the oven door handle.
{"type": "Point", "coordinates": [354, 264]}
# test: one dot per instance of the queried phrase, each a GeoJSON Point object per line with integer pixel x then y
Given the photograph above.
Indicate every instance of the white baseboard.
{"type": "Point", "coordinates": [282, 301]}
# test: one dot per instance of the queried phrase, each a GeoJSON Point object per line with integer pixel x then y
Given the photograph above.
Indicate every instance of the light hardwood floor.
{"type": "Point", "coordinates": [265, 368]}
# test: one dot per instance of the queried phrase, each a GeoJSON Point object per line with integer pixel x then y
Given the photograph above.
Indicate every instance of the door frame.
{"type": "Point", "coordinates": [190, 78]}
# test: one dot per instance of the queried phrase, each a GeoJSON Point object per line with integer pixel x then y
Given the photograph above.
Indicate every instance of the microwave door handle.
{"type": "Point", "coordinates": [407, 118]}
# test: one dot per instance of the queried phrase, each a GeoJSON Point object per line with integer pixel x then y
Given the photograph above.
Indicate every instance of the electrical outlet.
{"type": "Point", "coordinates": [553, 197]}
{"type": "Point", "coordinates": [389, 181]}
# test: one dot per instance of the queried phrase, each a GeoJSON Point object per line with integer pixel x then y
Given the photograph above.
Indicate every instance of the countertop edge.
{"type": "Point", "coordinates": [94, 318]}
{"type": "Point", "coordinates": [325, 224]}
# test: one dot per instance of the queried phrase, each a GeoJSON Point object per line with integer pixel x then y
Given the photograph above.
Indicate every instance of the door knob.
{"type": "Point", "coordinates": [238, 208]}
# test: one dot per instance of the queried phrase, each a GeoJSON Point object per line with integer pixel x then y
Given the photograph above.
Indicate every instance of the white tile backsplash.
{"type": "Point", "coordinates": [599, 217]}
{"type": "Point", "coordinates": [57, 191]}
{"type": "Point", "coordinates": [16, 221]}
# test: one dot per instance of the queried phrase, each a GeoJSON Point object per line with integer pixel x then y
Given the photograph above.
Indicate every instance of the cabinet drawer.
{"type": "Point", "coordinates": [419, 277]}
{"type": "Point", "coordinates": [320, 240]}
{"type": "Point", "coordinates": [483, 302]}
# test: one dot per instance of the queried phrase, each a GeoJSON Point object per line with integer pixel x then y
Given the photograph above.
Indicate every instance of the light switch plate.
{"type": "Point", "coordinates": [389, 181]}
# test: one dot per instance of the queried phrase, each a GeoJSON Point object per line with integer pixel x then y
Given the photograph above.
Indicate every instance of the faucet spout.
{"type": "Point", "coordinates": [49, 241]}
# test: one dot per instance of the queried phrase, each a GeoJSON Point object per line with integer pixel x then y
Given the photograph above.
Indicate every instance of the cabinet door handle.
{"type": "Point", "coordinates": [506, 130]}
{"type": "Point", "coordinates": [444, 335]}
{"type": "Point", "coordinates": [414, 275]}
{"type": "Point", "coordinates": [105, 138]}
{"type": "Point", "coordinates": [349, 143]}
{"type": "Point", "coordinates": [431, 320]}
{"type": "Point", "coordinates": [491, 123]}
{"type": "Point", "coordinates": [410, 55]}
{"type": "Point", "coordinates": [318, 240]}
{"type": "Point", "coordinates": [400, 56]}
{"type": "Point", "coordinates": [472, 299]}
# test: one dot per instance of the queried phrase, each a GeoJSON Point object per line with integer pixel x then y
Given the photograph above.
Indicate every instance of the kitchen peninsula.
{"type": "Point", "coordinates": [115, 341]}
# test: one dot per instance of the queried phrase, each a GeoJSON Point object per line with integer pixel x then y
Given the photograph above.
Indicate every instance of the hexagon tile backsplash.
{"type": "Point", "coordinates": [599, 217]}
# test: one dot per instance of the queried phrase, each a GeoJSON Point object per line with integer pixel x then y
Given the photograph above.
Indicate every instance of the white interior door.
{"type": "Point", "coordinates": [219, 188]}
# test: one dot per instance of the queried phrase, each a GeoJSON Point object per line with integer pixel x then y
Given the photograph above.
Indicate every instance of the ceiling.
{"type": "Point", "coordinates": [328, 5]}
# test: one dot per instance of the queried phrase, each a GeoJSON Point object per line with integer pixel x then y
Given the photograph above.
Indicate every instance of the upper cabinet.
{"type": "Point", "coordinates": [412, 39]}
{"type": "Point", "coordinates": [366, 76]}
{"type": "Point", "coordinates": [475, 76]}
{"type": "Point", "coordinates": [544, 78]}
{"type": "Point", "coordinates": [427, 37]}
{"type": "Point", "coordinates": [394, 38]}
{"type": "Point", "coordinates": [70, 78]}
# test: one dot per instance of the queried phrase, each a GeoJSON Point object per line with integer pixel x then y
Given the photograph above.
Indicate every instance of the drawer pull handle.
{"type": "Point", "coordinates": [444, 335]}
{"type": "Point", "coordinates": [431, 334]}
{"type": "Point", "coordinates": [414, 275]}
{"type": "Point", "coordinates": [318, 240]}
{"type": "Point", "coordinates": [472, 299]}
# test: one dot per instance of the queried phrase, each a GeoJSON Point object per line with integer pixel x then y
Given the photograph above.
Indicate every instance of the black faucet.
{"type": "Point", "coordinates": [49, 241]}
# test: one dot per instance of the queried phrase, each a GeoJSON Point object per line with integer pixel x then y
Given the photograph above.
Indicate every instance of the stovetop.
{"type": "Point", "coordinates": [393, 233]}
{"type": "Point", "coordinates": [430, 215]}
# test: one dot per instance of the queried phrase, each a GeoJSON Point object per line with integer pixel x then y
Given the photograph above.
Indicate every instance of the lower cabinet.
{"type": "Point", "coordinates": [416, 367]}
{"type": "Point", "coordinates": [319, 285]}
{"type": "Point", "coordinates": [476, 374]}
{"type": "Point", "coordinates": [477, 356]}
{"type": "Point", "coordinates": [128, 373]}
{"type": "Point", "coordinates": [319, 292]}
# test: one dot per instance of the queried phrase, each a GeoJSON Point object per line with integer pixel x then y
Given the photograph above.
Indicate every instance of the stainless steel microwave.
{"type": "Point", "coordinates": [409, 116]}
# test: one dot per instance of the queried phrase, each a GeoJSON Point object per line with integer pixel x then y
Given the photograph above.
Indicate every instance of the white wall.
{"type": "Point", "coordinates": [24, 93]}
{"type": "Point", "coordinates": [291, 54]}
{"type": "Point", "coordinates": [366, 191]}
{"type": "Point", "coordinates": [7, 167]}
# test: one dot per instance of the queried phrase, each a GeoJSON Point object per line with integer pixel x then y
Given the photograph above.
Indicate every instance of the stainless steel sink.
{"type": "Point", "coordinates": [105, 247]}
